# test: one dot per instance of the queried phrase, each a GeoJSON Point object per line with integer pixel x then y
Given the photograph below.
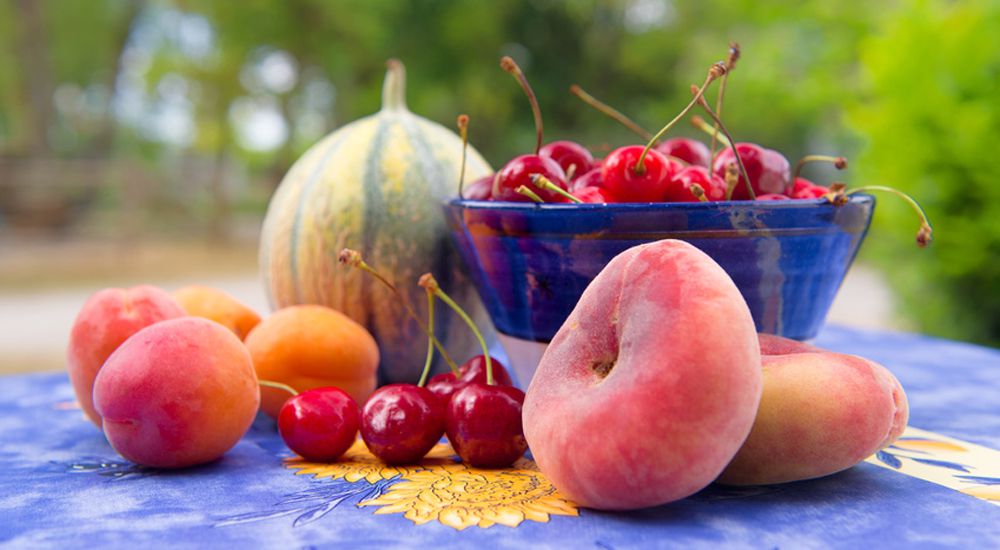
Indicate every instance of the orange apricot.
{"type": "Point", "coordinates": [221, 307]}
{"type": "Point", "coordinates": [311, 346]}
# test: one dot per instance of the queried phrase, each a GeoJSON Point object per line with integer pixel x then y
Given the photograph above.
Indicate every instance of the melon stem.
{"type": "Point", "coordinates": [394, 86]}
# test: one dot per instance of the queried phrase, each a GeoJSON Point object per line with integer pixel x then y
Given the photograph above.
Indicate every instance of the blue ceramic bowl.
{"type": "Point", "coordinates": [531, 262]}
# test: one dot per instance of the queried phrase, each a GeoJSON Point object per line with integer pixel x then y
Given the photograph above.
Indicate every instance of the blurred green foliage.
{"type": "Point", "coordinates": [929, 109]}
{"type": "Point", "coordinates": [911, 86]}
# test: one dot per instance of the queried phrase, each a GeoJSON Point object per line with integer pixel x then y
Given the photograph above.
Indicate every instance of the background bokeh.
{"type": "Point", "coordinates": [144, 138]}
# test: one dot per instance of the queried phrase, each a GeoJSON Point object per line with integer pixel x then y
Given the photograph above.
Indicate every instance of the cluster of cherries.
{"type": "Point", "coordinates": [475, 405]}
{"type": "Point", "coordinates": [674, 170]}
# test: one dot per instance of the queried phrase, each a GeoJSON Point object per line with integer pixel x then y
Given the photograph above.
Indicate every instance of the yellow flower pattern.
{"type": "Point", "coordinates": [959, 465]}
{"type": "Point", "coordinates": [357, 464]}
{"type": "Point", "coordinates": [441, 488]}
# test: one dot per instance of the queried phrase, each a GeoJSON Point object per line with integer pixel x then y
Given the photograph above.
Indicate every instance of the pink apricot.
{"type": "Point", "coordinates": [820, 413]}
{"type": "Point", "coordinates": [106, 320]}
{"type": "Point", "coordinates": [177, 393]}
{"type": "Point", "coordinates": [651, 385]}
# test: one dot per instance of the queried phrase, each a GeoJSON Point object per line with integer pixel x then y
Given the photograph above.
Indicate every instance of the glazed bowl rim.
{"type": "Point", "coordinates": [858, 198]}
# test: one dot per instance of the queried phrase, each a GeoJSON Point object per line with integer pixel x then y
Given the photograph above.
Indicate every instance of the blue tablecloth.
{"type": "Point", "coordinates": [61, 485]}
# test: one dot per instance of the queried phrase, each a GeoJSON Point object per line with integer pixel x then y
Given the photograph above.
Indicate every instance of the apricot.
{"type": "Point", "coordinates": [820, 413]}
{"type": "Point", "coordinates": [106, 320]}
{"type": "Point", "coordinates": [177, 393]}
{"type": "Point", "coordinates": [219, 306]}
{"type": "Point", "coordinates": [311, 346]}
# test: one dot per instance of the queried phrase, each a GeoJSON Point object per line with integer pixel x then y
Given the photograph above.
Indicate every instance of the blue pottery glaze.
{"type": "Point", "coordinates": [531, 262]}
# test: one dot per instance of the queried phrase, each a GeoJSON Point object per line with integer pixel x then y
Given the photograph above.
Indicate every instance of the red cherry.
{"type": "Point", "coordinates": [518, 172]}
{"type": "Point", "coordinates": [567, 154]}
{"type": "Point", "coordinates": [401, 422]}
{"type": "Point", "coordinates": [474, 370]}
{"type": "Point", "coordinates": [479, 190]}
{"type": "Point", "coordinates": [805, 189]}
{"type": "Point", "coordinates": [679, 189]}
{"type": "Point", "coordinates": [590, 179]}
{"type": "Point", "coordinates": [690, 151]}
{"type": "Point", "coordinates": [773, 197]}
{"type": "Point", "coordinates": [319, 424]}
{"type": "Point", "coordinates": [483, 424]}
{"type": "Point", "coordinates": [595, 195]}
{"type": "Point", "coordinates": [629, 182]}
{"type": "Point", "coordinates": [767, 169]}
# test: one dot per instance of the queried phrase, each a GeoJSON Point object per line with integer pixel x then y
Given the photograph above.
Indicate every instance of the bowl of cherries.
{"type": "Point", "coordinates": [534, 234]}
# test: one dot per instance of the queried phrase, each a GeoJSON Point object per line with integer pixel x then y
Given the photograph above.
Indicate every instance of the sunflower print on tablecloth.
{"type": "Point", "coordinates": [441, 488]}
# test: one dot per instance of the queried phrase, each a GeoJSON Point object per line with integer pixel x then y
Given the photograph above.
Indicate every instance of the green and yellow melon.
{"type": "Point", "coordinates": [375, 185]}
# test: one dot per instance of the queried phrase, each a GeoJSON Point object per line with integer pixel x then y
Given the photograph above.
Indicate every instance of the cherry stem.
{"type": "Point", "coordinates": [734, 56]}
{"type": "Point", "coordinates": [545, 183]}
{"type": "Point", "coordinates": [732, 179]}
{"type": "Point", "coordinates": [278, 386]}
{"type": "Point", "coordinates": [509, 65]}
{"type": "Point", "coordinates": [463, 131]}
{"type": "Point", "coordinates": [924, 234]}
{"type": "Point", "coordinates": [838, 162]}
{"type": "Point", "coordinates": [700, 124]}
{"type": "Point", "coordinates": [353, 259]}
{"type": "Point", "coordinates": [732, 143]}
{"type": "Point", "coordinates": [715, 71]}
{"type": "Point", "coordinates": [718, 108]}
{"type": "Point", "coordinates": [523, 190]}
{"type": "Point", "coordinates": [699, 192]}
{"type": "Point", "coordinates": [430, 342]}
{"type": "Point", "coordinates": [428, 282]}
{"type": "Point", "coordinates": [610, 112]}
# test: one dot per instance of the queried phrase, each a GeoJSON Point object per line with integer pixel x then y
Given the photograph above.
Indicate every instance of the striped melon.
{"type": "Point", "coordinates": [375, 185]}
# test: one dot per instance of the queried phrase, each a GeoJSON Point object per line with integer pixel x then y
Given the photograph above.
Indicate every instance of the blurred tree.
{"type": "Point", "coordinates": [931, 114]}
{"type": "Point", "coordinates": [250, 85]}
{"type": "Point", "coordinates": [57, 91]}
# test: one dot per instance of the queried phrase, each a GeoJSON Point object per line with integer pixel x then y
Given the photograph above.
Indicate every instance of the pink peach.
{"type": "Point", "coordinates": [177, 393]}
{"type": "Point", "coordinates": [820, 413]}
{"type": "Point", "coordinates": [771, 344]}
{"type": "Point", "coordinates": [106, 320]}
{"type": "Point", "coordinates": [651, 385]}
